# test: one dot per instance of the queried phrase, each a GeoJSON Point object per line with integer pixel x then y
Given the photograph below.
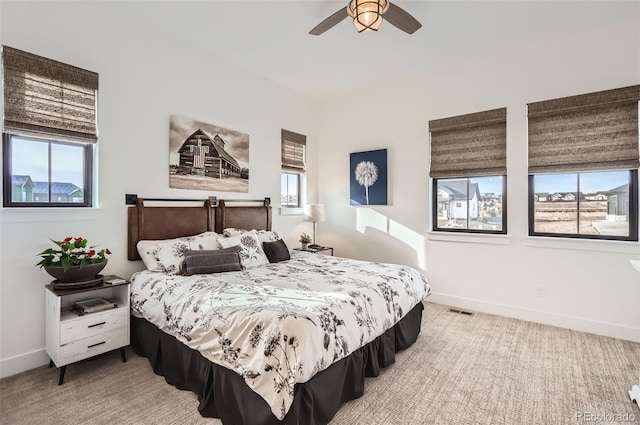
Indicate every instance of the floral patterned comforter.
{"type": "Point", "coordinates": [280, 324]}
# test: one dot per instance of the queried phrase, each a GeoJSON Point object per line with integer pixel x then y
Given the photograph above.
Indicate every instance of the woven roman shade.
{"type": "Point", "coordinates": [469, 145]}
{"type": "Point", "coordinates": [293, 151]}
{"type": "Point", "coordinates": [47, 98]}
{"type": "Point", "coordinates": [589, 132]}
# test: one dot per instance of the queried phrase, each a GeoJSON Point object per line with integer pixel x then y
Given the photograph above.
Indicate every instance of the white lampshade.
{"type": "Point", "coordinates": [314, 213]}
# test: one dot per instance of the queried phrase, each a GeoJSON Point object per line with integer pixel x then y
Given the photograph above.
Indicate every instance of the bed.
{"type": "Point", "coordinates": [286, 342]}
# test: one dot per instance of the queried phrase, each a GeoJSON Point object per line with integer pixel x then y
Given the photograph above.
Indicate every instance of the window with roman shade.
{"type": "Point", "coordinates": [583, 165]}
{"type": "Point", "coordinates": [293, 155]}
{"type": "Point", "coordinates": [469, 145]}
{"type": "Point", "coordinates": [293, 151]}
{"type": "Point", "coordinates": [49, 130]}
{"type": "Point", "coordinates": [468, 168]}
{"type": "Point", "coordinates": [46, 97]}
{"type": "Point", "coordinates": [596, 131]}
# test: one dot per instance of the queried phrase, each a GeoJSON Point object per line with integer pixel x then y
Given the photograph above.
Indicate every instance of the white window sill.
{"type": "Point", "coordinates": [480, 238]}
{"type": "Point", "coordinates": [582, 244]}
{"type": "Point", "coordinates": [47, 214]}
{"type": "Point", "coordinates": [539, 242]}
{"type": "Point", "coordinates": [291, 211]}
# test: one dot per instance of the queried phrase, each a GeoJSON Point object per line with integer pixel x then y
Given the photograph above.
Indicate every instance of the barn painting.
{"type": "Point", "coordinates": [207, 157]}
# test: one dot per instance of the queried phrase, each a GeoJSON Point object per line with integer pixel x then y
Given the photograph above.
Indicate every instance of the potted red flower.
{"type": "Point", "coordinates": [73, 260]}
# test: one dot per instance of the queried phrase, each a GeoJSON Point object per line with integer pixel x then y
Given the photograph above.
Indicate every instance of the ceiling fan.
{"type": "Point", "coordinates": [368, 15]}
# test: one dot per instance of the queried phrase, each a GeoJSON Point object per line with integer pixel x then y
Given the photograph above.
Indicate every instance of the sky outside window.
{"type": "Point", "coordinates": [489, 184]}
{"type": "Point", "coordinates": [589, 182]}
{"type": "Point", "coordinates": [30, 158]}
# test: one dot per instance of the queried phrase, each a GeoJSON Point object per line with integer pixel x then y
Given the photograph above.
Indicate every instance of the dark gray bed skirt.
{"type": "Point", "coordinates": [223, 393]}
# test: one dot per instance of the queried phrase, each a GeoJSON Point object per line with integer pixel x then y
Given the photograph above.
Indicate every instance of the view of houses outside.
{"type": "Point", "coordinates": [30, 172]}
{"type": "Point", "coordinates": [289, 190]}
{"type": "Point", "coordinates": [474, 203]}
{"type": "Point", "coordinates": [600, 207]}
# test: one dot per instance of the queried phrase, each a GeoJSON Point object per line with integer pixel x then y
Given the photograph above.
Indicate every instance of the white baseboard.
{"type": "Point", "coordinates": [23, 362]}
{"type": "Point", "coordinates": [538, 316]}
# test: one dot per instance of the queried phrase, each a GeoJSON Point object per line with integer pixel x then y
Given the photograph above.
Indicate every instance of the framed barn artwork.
{"type": "Point", "coordinates": [207, 157]}
{"type": "Point", "coordinates": [368, 177]}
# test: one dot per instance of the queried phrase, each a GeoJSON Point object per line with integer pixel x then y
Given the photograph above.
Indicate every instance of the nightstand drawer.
{"type": "Point", "coordinates": [93, 324]}
{"type": "Point", "coordinates": [92, 346]}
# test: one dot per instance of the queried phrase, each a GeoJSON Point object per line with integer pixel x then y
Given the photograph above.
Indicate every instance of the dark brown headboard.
{"type": "Point", "coordinates": [243, 217]}
{"type": "Point", "coordinates": [165, 222]}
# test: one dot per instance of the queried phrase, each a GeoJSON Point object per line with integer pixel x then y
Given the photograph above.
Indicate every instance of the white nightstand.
{"type": "Point", "coordinates": [71, 337]}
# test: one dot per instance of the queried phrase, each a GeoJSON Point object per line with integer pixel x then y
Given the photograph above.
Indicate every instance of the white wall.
{"type": "Point", "coordinates": [144, 77]}
{"type": "Point", "coordinates": [585, 285]}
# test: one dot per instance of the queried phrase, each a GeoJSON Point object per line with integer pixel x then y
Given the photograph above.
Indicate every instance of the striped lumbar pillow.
{"type": "Point", "coordinates": [211, 261]}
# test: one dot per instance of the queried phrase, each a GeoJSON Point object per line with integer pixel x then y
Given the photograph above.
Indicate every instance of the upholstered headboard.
{"type": "Point", "coordinates": [168, 222]}
{"type": "Point", "coordinates": [243, 216]}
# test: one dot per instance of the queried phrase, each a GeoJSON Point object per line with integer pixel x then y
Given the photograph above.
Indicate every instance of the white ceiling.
{"type": "Point", "coordinates": [271, 37]}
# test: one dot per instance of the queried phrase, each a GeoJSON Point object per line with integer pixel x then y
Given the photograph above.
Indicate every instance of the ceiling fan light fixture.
{"type": "Point", "coordinates": [367, 14]}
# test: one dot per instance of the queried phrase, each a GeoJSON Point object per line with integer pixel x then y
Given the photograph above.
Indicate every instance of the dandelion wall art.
{"type": "Point", "coordinates": [369, 177]}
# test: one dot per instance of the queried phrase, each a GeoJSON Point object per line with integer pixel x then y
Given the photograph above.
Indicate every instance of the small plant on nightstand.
{"type": "Point", "coordinates": [73, 261]}
{"type": "Point", "coordinates": [305, 240]}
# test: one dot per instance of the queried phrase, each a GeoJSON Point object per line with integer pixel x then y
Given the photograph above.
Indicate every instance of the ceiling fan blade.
{"type": "Point", "coordinates": [401, 19]}
{"type": "Point", "coordinates": [330, 22]}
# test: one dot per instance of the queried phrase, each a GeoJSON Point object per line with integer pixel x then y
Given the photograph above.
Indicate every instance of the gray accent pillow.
{"type": "Point", "coordinates": [276, 251]}
{"type": "Point", "coordinates": [211, 261]}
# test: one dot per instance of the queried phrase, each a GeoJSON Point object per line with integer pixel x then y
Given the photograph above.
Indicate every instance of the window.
{"type": "Point", "coordinates": [293, 155]}
{"type": "Point", "coordinates": [583, 166]}
{"type": "Point", "coordinates": [470, 204]}
{"type": "Point", "coordinates": [589, 205]}
{"type": "Point", "coordinates": [46, 173]}
{"type": "Point", "coordinates": [290, 193]}
{"type": "Point", "coordinates": [49, 130]}
{"type": "Point", "coordinates": [468, 168]}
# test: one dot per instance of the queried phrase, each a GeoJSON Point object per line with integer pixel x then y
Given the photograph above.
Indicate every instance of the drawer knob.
{"type": "Point", "coordinates": [97, 324]}
{"type": "Point", "coordinates": [95, 345]}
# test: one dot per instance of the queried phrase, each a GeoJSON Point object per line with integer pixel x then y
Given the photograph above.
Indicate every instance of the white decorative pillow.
{"type": "Point", "coordinates": [232, 231]}
{"type": "Point", "coordinates": [267, 235]}
{"type": "Point", "coordinates": [169, 254]}
{"type": "Point", "coordinates": [149, 260]}
{"type": "Point", "coordinates": [251, 252]}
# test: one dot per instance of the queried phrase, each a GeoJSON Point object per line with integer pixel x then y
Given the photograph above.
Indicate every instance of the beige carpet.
{"type": "Point", "coordinates": [481, 369]}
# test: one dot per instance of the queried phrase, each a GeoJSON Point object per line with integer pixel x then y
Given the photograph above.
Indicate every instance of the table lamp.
{"type": "Point", "coordinates": [315, 214]}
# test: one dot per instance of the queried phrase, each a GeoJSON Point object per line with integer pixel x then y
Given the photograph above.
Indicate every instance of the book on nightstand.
{"type": "Point", "coordinates": [113, 280]}
{"type": "Point", "coordinates": [94, 305]}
